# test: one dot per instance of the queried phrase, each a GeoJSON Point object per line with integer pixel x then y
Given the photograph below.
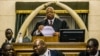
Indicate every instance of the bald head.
{"type": "Point", "coordinates": [39, 41]}
{"type": "Point", "coordinates": [39, 46]}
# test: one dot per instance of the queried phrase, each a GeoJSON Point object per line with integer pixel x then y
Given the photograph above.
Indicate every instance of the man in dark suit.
{"type": "Point", "coordinates": [40, 49]}
{"type": "Point", "coordinates": [92, 48]}
{"type": "Point", "coordinates": [50, 20]}
{"type": "Point", "coordinates": [9, 35]}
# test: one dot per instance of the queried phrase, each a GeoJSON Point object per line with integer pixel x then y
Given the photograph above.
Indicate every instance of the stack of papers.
{"type": "Point", "coordinates": [48, 31]}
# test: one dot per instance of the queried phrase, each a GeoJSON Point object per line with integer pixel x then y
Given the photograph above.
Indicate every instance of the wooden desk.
{"type": "Point", "coordinates": [68, 48]}
{"type": "Point", "coordinates": [47, 38]}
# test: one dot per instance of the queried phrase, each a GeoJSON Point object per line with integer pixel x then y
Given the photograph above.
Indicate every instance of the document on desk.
{"type": "Point", "coordinates": [48, 31]}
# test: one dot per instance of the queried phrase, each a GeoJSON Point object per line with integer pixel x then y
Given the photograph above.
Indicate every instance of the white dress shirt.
{"type": "Point", "coordinates": [9, 41]}
{"type": "Point", "coordinates": [49, 21]}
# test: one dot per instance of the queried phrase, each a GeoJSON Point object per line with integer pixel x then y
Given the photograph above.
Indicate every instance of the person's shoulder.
{"type": "Point", "coordinates": [83, 53]}
{"type": "Point", "coordinates": [59, 19]}
{"type": "Point", "coordinates": [34, 54]}
{"type": "Point", "coordinates": [13, 39]}
{"type": "Point", "coordinates": [0, 52]}
{"type": "Point", "coordinates": [59, 53]}
{"type": "Point", "coordinates": [42, 21]}
{"type": "Point", "coordinates": [99, 51]}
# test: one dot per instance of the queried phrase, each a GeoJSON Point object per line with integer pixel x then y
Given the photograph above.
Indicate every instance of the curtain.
{"type": "Point", "coordinates": [84, 17]}
{"type": "Point", "coordinates": [19, 21]}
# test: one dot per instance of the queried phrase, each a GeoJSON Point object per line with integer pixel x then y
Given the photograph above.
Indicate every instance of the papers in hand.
{"type": "Point", "coordinates": [48, 31]}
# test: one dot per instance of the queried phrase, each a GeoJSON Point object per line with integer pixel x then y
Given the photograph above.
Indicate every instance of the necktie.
{"type": "Point", "coordinates": [50, 22]}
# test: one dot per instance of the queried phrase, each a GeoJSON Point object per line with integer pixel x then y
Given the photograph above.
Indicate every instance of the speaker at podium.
{"type": "Point", "coordinates": [72, 35]}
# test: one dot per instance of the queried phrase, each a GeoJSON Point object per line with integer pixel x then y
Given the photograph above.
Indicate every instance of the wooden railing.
{"type": "Point", "coordinates": [68, 48]}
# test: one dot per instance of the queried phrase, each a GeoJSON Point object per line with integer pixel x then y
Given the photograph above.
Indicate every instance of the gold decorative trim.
{"type": "Point", "coordinates": [56, 11]}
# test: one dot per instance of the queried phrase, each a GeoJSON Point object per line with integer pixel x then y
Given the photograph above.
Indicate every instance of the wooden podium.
{"type": "Point", "coordinates": [47, 38]}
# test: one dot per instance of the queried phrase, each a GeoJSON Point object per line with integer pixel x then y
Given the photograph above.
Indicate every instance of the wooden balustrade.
{"type": "Point", "coordinates": [68, 48]}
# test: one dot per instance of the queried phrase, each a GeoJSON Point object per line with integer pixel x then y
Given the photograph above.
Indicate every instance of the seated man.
{"type": "Point", "coordinates": [9, 35]}
{"type": "Point", "coordinates": [50, 20]}
{"type": "Point", "coordinates": [7, 50]}
{"type": "Point", "coordinates": [40, 49]}
{"type": "Point", "coordinates": [92, 48]}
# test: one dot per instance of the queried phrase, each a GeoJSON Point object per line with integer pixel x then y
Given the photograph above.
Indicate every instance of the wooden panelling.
{"type": "Point", "coordinates": [47, 38]}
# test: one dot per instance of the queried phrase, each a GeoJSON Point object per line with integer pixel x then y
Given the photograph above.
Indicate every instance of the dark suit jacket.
{"type": "Point", "coordinates": [84, 53]}
{"type": "Point", "coordinates": [57, 25]}
{"type": "Point", "coordinates": [0, 52]}
{"type": "Point", "coordinates": [53, 53]}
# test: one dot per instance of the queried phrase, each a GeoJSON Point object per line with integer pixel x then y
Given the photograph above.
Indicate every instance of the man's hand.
{"type": "Point", "coordinates": [56, 34]}
{"type": "Point", "coordinates": [40, 27]}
